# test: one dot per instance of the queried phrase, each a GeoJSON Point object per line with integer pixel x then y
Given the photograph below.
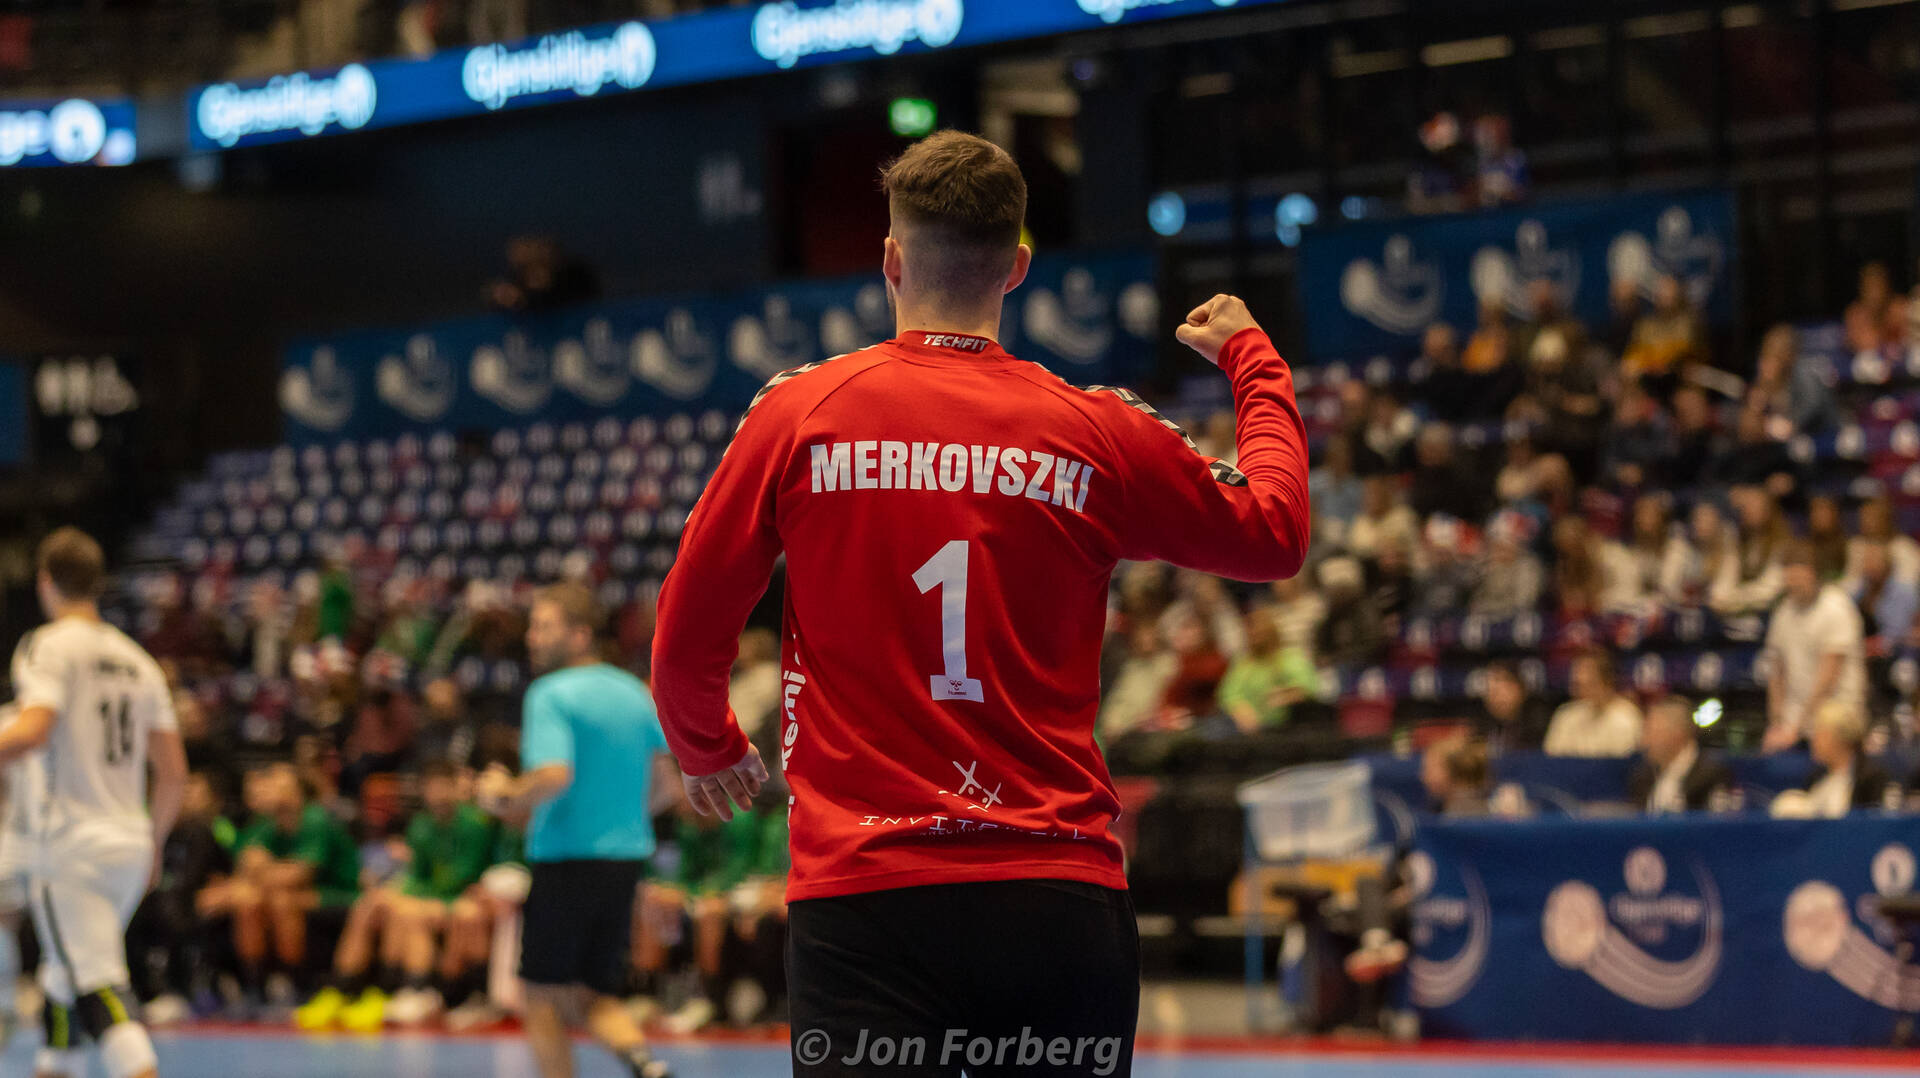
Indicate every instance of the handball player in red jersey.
{"type": "Point", "coordinates": [951, 516]}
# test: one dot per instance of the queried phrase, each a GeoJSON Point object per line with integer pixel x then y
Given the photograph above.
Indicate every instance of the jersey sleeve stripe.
{"type": "Point", "coordinates": [1223, 473]}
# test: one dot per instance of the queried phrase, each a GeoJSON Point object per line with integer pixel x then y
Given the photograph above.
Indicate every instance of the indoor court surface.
{"type": "Point", "coordinates": [252, 1055]}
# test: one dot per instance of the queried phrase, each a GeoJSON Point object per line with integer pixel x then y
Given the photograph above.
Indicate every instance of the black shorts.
{"type": "Point", "coordinates": [1026, 977]}
{"type": "Point", "coordinates": [577, 922]}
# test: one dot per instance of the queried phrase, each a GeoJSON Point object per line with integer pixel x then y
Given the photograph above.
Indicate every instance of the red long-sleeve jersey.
{"type": "Point", "coordinates": [951, 516]}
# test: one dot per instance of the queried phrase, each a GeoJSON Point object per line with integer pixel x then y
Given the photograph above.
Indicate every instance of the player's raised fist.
{"type": "Point", "coordinates": [1212, 324]}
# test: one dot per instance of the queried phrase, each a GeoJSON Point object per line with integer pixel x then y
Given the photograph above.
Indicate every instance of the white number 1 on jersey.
{"type": "Point", "coordinates": [947, 569]}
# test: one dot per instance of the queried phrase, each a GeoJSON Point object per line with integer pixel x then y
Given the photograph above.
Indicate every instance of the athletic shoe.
{"type": "Point", "coordinates": [415, 1007]}
{"type": "Point", "coordinates": [168, 1010]}
{"type": "Point", "coordinates": [475, 1013]}
{"type": "Point", "coordinates": [697, 1015]}
{"type": "Point", "coordinates": [643, 1009]}
{"type": "Point", "coordinates": [641, 1064]}
{"type": "Point", "coordinates": [322, 1011]}
{"type": "Point", "coordinates": [366, 1014]}
{"type": "Point", "coordinates": [1376, 960]}
{"type": "Point", "coordinates": [280, 991]}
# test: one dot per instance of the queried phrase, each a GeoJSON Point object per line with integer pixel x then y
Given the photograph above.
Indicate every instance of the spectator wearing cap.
{"type": "Point", "coordinates": [1846, 779]}
{"type": "Point", "coordinates": [1814, 650]}
{"type": "Point", "coordinates": [1674, 775]}
{"type": "Point", "coordinates": [1599, 720]}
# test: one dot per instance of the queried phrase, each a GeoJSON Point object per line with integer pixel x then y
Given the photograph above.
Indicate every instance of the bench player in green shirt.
{"type": "Point", "coordinates": [450, 843]}
{"type": "Point", "coordinates": [292, 862]}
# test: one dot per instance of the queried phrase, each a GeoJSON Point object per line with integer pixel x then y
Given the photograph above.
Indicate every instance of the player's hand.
{"type": "Point", "coordinates": [718, 793]}
{"type": "Point", "coordinates": [493, 790]}
{"type": "Point", "coordinates": [1212, 324]}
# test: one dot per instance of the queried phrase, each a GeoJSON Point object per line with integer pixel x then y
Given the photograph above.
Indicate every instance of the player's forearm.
{"type": "Point", "coordinates": [539, 786]}
{"type": "Point", "coordinates": [1271, 440]}
{"type": "Point", "coordinates": [169, 760]}
{"type": "Point", "coordinates": [28, 731]}
{"type": "Point", "coordinates": [695, 643]}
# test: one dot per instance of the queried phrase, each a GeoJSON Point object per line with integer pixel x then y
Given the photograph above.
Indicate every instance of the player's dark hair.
{"type": "Point", "coordinates": [964, 200]}
{"type": "Point", "coordinates": [576, 604]}
{"type": "Point", "coordinates": [74, 562]}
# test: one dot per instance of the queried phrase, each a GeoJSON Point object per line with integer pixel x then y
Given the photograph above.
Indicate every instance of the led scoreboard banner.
{"type": "Point", "coordinates": [628, 56]}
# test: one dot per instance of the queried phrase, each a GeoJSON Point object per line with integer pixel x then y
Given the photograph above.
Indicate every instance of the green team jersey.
{"type": "Point", "coordinates": [509, 845]}
{"type": "Point", "coordinates": [448, 857]}
{"type": "Point", "coordinates": [717, 859]}
{"type": "Point", "coordinates": [318, 840]}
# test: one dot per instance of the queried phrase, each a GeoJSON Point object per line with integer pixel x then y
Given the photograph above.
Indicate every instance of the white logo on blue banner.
{"type": "Point", "coordinates": [786, 33]}
{"type": "Point", "coordinates": [1822, 935]}
{"type": "Point", "coordinates": [1674, 250]}
{"type": "Point", "coordinates": [869, 322]}
{"type": "Point", "coordinates": [1442, 982]}
{"type": "Point", "coordinates": [514, 374]}
{"type": "Point", "coordinates": [73, 131]}
{"type": "Point", "coordinates": [319, 394]}
{"type": "Point", "coordinates": [1604, 939]}
{"type": "Point", "coordinates": [1076, 324]}
{"type": "Point", "coordinates": [1111, 11]}
{"type": "Point", "coordinates": [297, 102]}
{"type": "Point", "coordinates": [591, 368]}
{"type": "Point", "coordinates": [678, 359]}
{"type": "Point", "coordinates": [772, 342]}
{"type": "Point", "coordinates": [1400, 294]}
{"type": "Point", "coordinates": [1503, 276]}
{"type": "Point", "coordinates": [495, 74]}
{"type": "Point", "coordinates": [418, 384]}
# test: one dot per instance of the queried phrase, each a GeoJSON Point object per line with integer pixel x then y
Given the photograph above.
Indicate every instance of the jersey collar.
{"type": "Point", "coordinates": [961, 345]}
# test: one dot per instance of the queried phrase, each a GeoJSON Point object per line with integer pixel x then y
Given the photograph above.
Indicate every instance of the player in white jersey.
{"type": "Point", "coordinates": [95, 709]}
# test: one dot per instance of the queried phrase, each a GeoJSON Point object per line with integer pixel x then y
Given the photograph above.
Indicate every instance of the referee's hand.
{"type": "Point", "coordinates": [718, 793]}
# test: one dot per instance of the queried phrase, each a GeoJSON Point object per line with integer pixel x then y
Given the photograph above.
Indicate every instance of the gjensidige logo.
{"type": "Point", "coordinates": [298, 102]}
{"type": "Point", "coordinates": [1822, 933]}
{"type": "Point", "coordinates": [1610, 939]}
{"type": "Point", "coordinates": [785, 32]}
{"type": "Point", "coordinates": [494, 74]}
{"type": "Point", "coordinates": [73, 132]}
{"type": "Point", "coordinates": [1452, 930]}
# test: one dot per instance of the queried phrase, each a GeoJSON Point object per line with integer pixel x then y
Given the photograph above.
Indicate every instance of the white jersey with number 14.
{"type": "Point", "coordinates": [107, 695]}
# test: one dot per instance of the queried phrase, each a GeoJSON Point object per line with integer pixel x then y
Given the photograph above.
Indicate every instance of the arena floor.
{"type": "Point", "coordinates": [252, 1054]}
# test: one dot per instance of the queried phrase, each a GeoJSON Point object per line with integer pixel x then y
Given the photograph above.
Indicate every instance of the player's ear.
{"type": "Point", "coordinates": [1022, 260]}
{"type": "Point", "coordinates": [891, 262]}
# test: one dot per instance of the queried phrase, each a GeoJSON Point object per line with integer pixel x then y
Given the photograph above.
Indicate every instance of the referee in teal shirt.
{"type": "Point", "coordinates": [587, 743]}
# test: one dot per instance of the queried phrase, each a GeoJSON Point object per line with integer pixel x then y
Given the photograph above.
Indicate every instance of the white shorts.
{"type": "Point", "coordinates": [82, 900]}
{"type": "Point", "coordinates": [15, 868]}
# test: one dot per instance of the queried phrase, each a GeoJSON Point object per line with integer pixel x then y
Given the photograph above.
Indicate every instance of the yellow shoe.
{"type": "Point", "coordinates": [320, 1012]}
{"type": "Point", "coordinates": [366, 1014]}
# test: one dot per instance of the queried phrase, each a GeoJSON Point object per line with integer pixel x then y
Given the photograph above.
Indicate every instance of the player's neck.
{"type": "Point", "coordinates": [965, 324]}
{"type": "Point", "coordinates": [82, 611]}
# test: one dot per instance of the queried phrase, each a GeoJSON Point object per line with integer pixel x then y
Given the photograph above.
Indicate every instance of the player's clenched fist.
{"type": "Point", "coordinates": [1212, 324]}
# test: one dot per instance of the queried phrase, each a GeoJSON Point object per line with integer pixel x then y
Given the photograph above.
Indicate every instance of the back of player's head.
{"type": "Point", "coordinates": [73, 562]}
{"type": "Point", "coordinates": [962, 200]}
{"type": "Point", "coordinates": [576, 605]}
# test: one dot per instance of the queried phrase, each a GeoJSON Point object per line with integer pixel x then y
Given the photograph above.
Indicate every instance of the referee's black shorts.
{"type": "Point", "coordinates": [577, 922]}
{"type": "Point", "coordinates": [1025, 977]}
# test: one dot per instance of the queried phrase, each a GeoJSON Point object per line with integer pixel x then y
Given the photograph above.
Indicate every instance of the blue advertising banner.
{"type": "Point", "coordinates": [1699, 929]}
{"type": "Point", "coordinates": [1375, 287]}
{"type": "Point", "coordinates": [76, 131]}
{"type": "Point", "coordinates": [634, 55]}
{"type": "Point", "coordinates": [1090, 318]}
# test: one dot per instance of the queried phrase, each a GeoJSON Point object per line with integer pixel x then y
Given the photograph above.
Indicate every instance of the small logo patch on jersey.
{"type": "Point", "coordinates": [959, 342]}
